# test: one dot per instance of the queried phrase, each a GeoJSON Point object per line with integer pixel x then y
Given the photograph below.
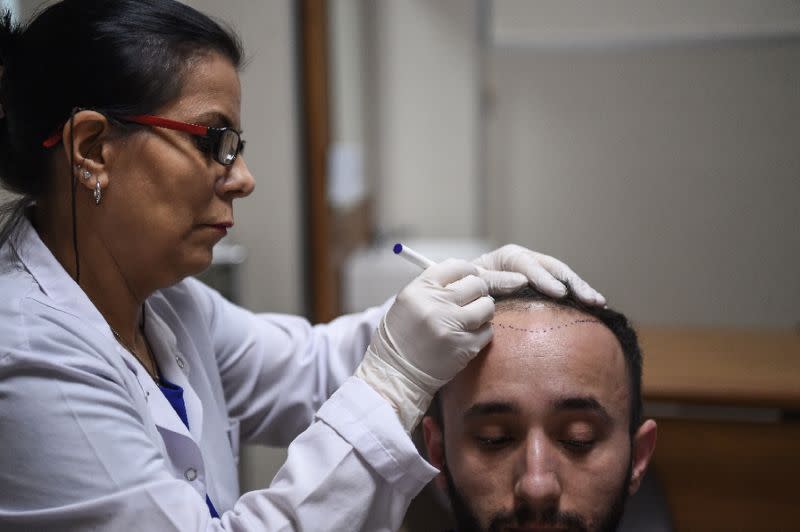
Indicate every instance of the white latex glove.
{"type": "Point", "coordinates": [511, 267]}
{"type": "Point", "coordinates": [437, 324]}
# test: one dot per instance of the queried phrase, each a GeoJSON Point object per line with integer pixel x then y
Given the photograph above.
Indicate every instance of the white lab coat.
{"type": "Point", "coordinates": [88, 441]}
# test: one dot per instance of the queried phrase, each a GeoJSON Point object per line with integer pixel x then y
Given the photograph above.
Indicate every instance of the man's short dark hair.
{"type": "Point", "coordinates": [615, 321]}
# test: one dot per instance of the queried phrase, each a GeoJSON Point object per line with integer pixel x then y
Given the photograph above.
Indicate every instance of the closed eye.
{"type": "Point", "coordinates": [493, 443]}
{"type": "Point", "coordinates": [578, 446]}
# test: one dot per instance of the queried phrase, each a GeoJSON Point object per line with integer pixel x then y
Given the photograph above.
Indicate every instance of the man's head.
{"type": "Point", "coordinates": [542, 431]}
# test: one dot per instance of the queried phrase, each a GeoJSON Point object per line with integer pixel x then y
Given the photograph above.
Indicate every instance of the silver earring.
{"type": "Point", "coordinates": [84, 173]}
{"type": "Point", "coordinates": [98, 192]}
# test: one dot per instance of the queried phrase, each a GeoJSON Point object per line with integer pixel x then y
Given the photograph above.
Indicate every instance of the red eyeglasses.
{"type": "Point", "coordinates": [224, 144]}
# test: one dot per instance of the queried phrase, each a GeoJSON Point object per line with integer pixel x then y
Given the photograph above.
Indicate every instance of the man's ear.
{"type": "Point", "coordinates": [85, 135]}
{"type": "Point", "coordinates": [644, 443]}
{"type": "Point", "coordinates": [434, 446]}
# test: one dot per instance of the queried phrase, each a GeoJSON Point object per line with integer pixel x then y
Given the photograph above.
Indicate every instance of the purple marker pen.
{"type": "Point", "coordinates": [412, 256]}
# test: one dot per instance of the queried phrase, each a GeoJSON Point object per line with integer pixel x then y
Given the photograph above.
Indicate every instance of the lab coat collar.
{"type": "Point", "coordinates": [62, 289]}
{"type": "Point", "coordinates": [164, 416]}
{"type": "Point", "coordinates": [52, 278]}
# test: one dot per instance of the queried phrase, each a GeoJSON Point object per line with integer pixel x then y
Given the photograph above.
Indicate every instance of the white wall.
{"type": "Point", "coordinates": [346, 53]}
{"type": "Point", "coordinates": [348, 184]}
{"type": "Point", "coordinates": [425, 116]}
{"type": "Point", "coordinates": [667, 172]}
{"type": "Point", "coordinates": [559, 23]}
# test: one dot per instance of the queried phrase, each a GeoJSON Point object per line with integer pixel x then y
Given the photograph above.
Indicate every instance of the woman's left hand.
{"type": "Point", "coordinates": [511, 267]}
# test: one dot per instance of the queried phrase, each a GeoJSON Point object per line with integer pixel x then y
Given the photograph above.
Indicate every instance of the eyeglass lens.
{"type": "Point", "coordinates": [228, 147]}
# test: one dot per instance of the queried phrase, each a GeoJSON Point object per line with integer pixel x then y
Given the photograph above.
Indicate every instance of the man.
{"type": "Point", "coordinates": [542, 430]}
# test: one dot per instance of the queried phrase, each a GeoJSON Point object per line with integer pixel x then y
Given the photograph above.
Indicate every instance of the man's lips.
{"type": "Point", "coordinates": [535, 528]}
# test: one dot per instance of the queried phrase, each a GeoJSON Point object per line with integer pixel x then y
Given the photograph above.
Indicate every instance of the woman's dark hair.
{"type": "Point", "coordinates": [122, 57]}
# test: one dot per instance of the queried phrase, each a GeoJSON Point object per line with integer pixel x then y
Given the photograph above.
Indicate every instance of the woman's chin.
{"type": "Point", "coordinates": [195, 264]}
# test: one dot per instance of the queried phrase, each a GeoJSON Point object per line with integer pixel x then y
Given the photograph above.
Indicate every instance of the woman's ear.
{"type": "Point", "coordinates": [84, 136]}
{"type": "Point", "coordinates": [644, 443]}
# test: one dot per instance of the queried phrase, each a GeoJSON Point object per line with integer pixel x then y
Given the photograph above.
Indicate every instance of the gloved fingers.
{"type": "Point", "coordinates": [501, 258]}
{"type": "Point", "coordinates": [501, 283]}
{"type": "Point", "coordinates": [551, 276]}
{"type": "Point", "coordinates": [514, 258]}
{"type": "Point", "coordinates": [466, 290]}
{"type": "Point", "coordinates": [539, 277]}
{"type": "Point", "coordinates": [543, 281]}
{"type": "Point", "coordinates": [473, 316]}
{"type": "Point", "coordinates": [586, 293]}
{"type": "Point", "coordinates": [579, 287]}
{"type": "Point", "coordinates": [547, 274]}
{"type": "Point", "coordinates": [484, 335]}
{"type": "Point", "coordinates": [449, 271]}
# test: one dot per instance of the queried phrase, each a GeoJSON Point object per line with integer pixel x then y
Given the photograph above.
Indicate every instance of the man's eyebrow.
{"type": "Point", "coordinates": [490, 408]}
{"type": "Point", "coordinates": [582, 403]}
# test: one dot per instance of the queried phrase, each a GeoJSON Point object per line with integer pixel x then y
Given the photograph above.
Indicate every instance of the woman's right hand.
{"type": "Point", "coordinates": [437, 324]}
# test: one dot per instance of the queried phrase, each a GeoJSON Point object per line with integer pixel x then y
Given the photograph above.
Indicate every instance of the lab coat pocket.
{"type": "Point", "coordinates": [233, 438]}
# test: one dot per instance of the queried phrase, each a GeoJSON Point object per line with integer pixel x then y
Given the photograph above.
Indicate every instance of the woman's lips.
{"type": "Point", "coordinates": [221, 227]}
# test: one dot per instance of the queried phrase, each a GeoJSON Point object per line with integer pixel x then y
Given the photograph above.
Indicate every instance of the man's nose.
{"type": "Point", "coordinates": [237, 182]}
{"type": "Point", "coordinates": [538, 484]}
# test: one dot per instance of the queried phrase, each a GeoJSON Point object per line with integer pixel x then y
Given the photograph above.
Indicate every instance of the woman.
{"type": "Point", "coordinates": [125, 384]}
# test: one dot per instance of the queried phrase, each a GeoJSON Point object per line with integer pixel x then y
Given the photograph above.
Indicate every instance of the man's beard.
{"type": "Point", "coordinates": [467, 521]}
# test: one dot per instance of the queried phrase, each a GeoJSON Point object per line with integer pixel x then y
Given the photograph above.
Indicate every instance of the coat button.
{"type": "Point", "coordinates": [180, 362]}
{"type": "Point", "coordinates": [190, 474]}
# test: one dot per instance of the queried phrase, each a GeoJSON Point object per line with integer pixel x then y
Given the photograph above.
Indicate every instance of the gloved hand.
{"type": "Point", "coordinates": [437, 324]}
{"type": "Point", "coordinates": [511, 267]}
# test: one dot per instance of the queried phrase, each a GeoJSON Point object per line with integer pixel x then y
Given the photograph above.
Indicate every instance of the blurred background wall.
{"type": "Point", "coordinates": [653, 146]}
{"type": "Point", "coordinates": [425, 72]}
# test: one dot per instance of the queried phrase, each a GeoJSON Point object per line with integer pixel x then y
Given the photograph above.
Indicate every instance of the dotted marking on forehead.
{"type": "Point", "coordinates": [543, 330]}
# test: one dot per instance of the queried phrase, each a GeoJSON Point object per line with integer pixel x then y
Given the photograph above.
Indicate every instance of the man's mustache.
{"type": "Point", "coordinates": [526, 515]}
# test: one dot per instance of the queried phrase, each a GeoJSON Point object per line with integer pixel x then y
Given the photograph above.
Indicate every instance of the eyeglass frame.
{"type": "Point", "coordinates": [209, 138]}
{"type": "Point", "coordinates": [212, 135]}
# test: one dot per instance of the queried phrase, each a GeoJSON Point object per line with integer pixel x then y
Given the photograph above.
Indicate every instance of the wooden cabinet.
{"type": "Point", "coordinates": [733, 474]}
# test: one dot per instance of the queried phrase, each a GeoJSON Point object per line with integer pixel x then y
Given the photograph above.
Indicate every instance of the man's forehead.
{"type": "Point", "coordinates": [519, 327]}
{"type": "Point", "coordinates": [545, 353]}
{"type": "Point", "coordinates": [542, 330]}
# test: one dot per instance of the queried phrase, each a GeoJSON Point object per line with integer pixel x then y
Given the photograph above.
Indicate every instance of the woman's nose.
{"type": "Point", "coordinates": [538, 483]}
{"type": "Point", "coordinates": [237, 182]}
